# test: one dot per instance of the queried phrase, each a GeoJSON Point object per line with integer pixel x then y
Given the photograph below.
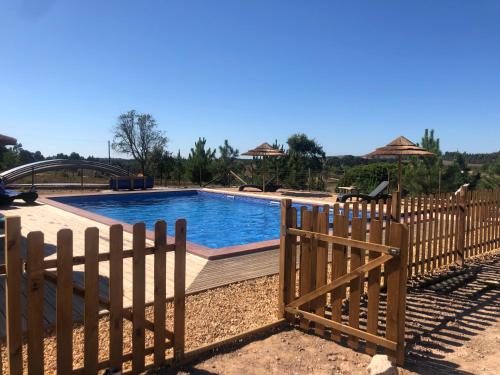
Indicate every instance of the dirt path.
{"type": "Point", "coordinates": [457, 332]}
{"type": "Point", "coordinates": [288, 352]}
{"type": "Point", "coordinates": [480, 354]}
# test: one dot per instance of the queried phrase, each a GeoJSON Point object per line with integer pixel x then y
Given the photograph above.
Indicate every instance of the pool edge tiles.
{"type": "Point", "coordinates": [63, 202]}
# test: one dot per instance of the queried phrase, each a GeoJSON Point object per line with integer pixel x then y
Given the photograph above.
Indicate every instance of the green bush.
{"type": "Point", "coordinates": [367, 177]}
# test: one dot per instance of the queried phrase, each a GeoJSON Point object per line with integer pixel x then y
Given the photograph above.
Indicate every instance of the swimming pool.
{"type": "Point", "coordinates": [214, 220]}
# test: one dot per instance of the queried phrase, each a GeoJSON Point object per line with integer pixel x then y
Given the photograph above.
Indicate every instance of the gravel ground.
{"type": "Point", "coordinates": [210, 316]}
{"type": "Point", "coordinates": [446, 332]}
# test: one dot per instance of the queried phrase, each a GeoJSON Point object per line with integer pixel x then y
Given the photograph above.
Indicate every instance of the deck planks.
{"type": "Point", "coordinates": [201, 274]}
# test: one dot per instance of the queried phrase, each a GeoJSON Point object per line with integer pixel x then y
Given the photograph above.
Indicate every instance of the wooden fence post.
{"type": "Point", "coordinates": [160, 291]}
{"type": "Point", "coordinates": [91, 308]}
{"type": "Point", "coordinates": [179, 289]}
{"type": "Point", "coordinates": [138, 297]}
{"type": "Point", "coordinates": [286, 266]}
{"type": "Point", "coordinates": [64, 302]}
{"type": "Point", "coordinates": [35, 294]}
{"type": "Point", "coordinates": [13, 294]}
{"type": "Point", "coordinates": [461, 224]}
{"type": "Point", "coordinates": [116, 295]}
{"type": "Point", "coordinates": [396, 206]}
{"type": "Point", "coordinates": [397, 272]}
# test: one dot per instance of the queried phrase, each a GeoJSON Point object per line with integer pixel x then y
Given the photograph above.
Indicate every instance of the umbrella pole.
{"type": "Point", "coordinates": [396, 208]}
{"type": "Point", "coordinates": [263, 174]}
{"type": "Point", "coordinates": [399, 174]}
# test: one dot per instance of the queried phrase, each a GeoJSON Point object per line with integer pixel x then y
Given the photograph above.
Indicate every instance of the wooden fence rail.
{"type": "Point", "coordinates": [38, 271]}
{"type": "Point", "coordinates": [365, 253]}
{"type": "Point", "coordinates": [346, 282]}
{"type": "Point", "coordinates": [449, 228]}
{"type": "Point", "coordinates": [325, 292]}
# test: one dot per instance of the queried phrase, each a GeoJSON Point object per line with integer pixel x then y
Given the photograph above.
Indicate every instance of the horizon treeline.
{"type": "Point", "coordinates": [304, 166]}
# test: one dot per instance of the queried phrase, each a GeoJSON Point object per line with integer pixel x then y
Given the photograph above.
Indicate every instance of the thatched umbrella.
{"type": "Point", "coordinates": [265, 150]}
{"type": "Point", "coordinates": [400, 147]}
{"type": "Point", "coordinates": [6, 140]}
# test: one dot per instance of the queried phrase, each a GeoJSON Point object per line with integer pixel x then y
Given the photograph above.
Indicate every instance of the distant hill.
{"type": "Point", "coordinates": [480, 159]}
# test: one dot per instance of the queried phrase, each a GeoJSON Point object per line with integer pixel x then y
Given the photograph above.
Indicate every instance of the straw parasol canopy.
{"type": "Point", "coordinates": [6, 140]}
{"type": "Point", "coordinates": [265, 150]}
{"type": "Point", "coordinates": [400, 147]}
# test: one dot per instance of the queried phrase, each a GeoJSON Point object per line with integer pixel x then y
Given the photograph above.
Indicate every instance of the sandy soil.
{"type": "Point", "coordinates": [287, 352]}
{"type": "Point", "coordinates": [453, 333]}
{"type": "Point", "coordinates": [447, 333]}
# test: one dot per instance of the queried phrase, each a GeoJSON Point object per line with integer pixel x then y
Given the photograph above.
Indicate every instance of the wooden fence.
{"type": "Point", "coordinates": [326, 292]}
{"type": "Point", "coordinates": [38, 271]}
{"type": "Point", "coordinates": [449, 228]}
{"type": "Point", "coordinates": [350, 283]}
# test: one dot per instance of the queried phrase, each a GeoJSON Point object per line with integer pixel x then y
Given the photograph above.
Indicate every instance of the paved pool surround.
{"type": "Point", "coordinates": [192, 247]}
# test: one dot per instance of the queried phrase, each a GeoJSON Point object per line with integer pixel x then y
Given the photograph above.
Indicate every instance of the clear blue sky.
{"type": "Point", "coordinates": [352, 74]}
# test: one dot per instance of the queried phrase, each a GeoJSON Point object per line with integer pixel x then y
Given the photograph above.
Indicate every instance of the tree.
{"type": "Point", "coordinates": [75, 156]}
{"type": "Point", "coordinates": [227, 161]}
{"type": "Point", "coordinates": [138, 135]}
{"type": "Point", "coordinates": [367, 177]}
{"type": "Point", "coordinates": [490, 176]}
{"type": "Point", "coordinates": [421, 176]}
{"type": "Point", "coordinates": [278, 165]}
{"type": "Point", "coordinates": [200, 162]}
{"type": "Point", "coordinates": [305, 155]}
{"type": "Point", "coordinates": [179, 167]}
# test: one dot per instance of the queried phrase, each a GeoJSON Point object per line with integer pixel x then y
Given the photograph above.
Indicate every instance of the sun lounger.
{"type": "Point", "coordinates": [270, 187]}
{"type": "Point", "coordinates": [375, 194]}
{"type": "Point", "coordinates": [8, 196]}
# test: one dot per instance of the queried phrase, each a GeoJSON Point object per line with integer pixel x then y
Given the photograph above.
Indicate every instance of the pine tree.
{"type": "Point", "coordinates": [200, 162]}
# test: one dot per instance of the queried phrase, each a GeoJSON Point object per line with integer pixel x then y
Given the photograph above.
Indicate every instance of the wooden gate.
{"type": "Point", "coordinates": [340, 284]}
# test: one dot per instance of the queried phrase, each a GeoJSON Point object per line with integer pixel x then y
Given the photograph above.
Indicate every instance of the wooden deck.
{"type": "Point", "coordinates": [201, 274]}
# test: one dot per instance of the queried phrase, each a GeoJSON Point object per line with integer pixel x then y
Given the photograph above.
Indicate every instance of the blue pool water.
{"type": "Point", "coordinates": [213, 220]}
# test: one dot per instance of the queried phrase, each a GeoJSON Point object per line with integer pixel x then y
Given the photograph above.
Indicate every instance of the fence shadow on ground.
{"type": "Point", "coordinates": [439, 324]}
